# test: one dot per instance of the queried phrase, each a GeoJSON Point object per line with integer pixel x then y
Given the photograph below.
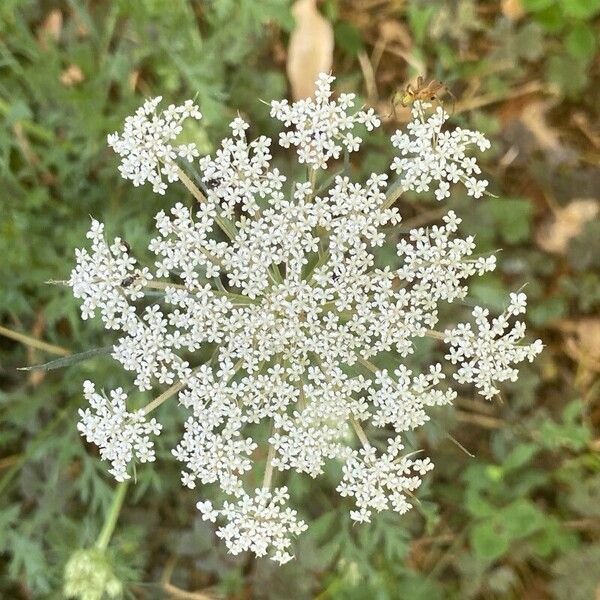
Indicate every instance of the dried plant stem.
{"type": "Point", "coordinates": [33, 342]}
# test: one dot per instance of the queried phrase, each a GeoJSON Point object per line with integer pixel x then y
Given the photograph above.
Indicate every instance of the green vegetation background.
{"type": "Point", "coordinates": [519, 520]}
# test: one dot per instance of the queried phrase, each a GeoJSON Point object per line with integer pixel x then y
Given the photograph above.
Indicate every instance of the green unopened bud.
{"type": "Point", "coordinates": [89, 576]}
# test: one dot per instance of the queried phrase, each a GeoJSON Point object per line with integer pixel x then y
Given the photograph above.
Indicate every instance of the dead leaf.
{"type": "Point", "coordinates": [72, 75]}
{"type": "Point", "coordinates": [582, 341]}
{"type": "Point", "coordinates": [393, 30]}
{"type": "Point", "coordinates": [310, 50]}
{"type": "Point", "coordinates": [132, 79]}
{"type": "Point", "coordinates": [567, 222]}
{"type": "Point", "coordinates": [534, 118]}
{"type": "Point", "coordinates": [513, 9]}
{"type": "Point", "coordinates": [50, 29]}
{"type": "Point", "coordinates": [588, 334]}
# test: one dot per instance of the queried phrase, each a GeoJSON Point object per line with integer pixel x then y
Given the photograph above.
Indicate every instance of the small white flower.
{"type": "Point", "coordinates": [120, 435]}
{"type": "Point", "coordinates": [144, 145]}
{"type": "Point", "coordinates": [427, 153]}
{"type": "Point", "coordinates": [238, 127]}
{"type": "Point", "coordinates": [259, 523]}
{"type": "Point", "coordinates": [381, 482]}
{"type": "Point", "coordinates": [488, 355]}
{"type": "Point", "coordinates": [321, 127]}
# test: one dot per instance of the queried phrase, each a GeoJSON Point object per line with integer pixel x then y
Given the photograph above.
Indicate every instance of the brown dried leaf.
{"type": "Point", "coordinates": [513, 9]}
{"type": "Point", "coordinates": [72, 75]}
{"type": "Point", "coordinates": [50, 29]}
{"type": "Point", "coordinates": [534, 118]}
{"type": "Point", "coordinates": [310, 50]}
{"type": "Point", "coordinates": [393, 30]}
{"type": "Point", "coordinates": [588, 334]}
{"type": "Point", "coordinates": [568, 222]}
{"type": "Point", "coordinates": [582, 341]}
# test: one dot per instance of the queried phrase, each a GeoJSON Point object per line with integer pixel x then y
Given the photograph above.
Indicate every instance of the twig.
{"type": "Point", "coordinates": [33, 342]}
{"type": "Point", "coordinates": [174, 591]}
{"type": "Point", "coordinates": [369, 76]}
{"type": "Point", "coordinates": [481, 420]}
{"type": "Point", "coordinates": [487, 99]}
{"type": "Point", "coordinates": [425, 217]}
{"type": "Point", "coordinates": [455, 441]}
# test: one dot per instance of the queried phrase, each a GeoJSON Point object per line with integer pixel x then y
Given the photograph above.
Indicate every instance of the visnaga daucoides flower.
{"type": "Point", "coordinates": [278, 279]}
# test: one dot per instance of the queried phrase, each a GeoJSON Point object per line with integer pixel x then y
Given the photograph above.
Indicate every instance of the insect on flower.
{"type": "Point", "coordinates": [425, 92]}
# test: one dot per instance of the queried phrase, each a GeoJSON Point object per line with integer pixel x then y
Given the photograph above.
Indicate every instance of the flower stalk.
{"type": "Point", "coordinates": [112, 516]}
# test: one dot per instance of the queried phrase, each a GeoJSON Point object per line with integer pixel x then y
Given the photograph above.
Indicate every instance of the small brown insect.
{"type": "Point", "coordinates": [427, 92]}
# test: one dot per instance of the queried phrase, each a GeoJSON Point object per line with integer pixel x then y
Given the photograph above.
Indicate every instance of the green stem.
{"type": "Point", "coordinates": [369, 365]}
{"type": "Point", "coordinates": [394, 192]}
{"type": "Point", "coordinates": [112, 516]}
{"type": "Point", "coordinates": [228, 228]}
{"type": "Point", "coordinates": [436, 335]}
{"type": "Point", "coordinates": [176, 387]}
{"type": "Point", "coordinates": [268, 476]}
{"type": "Point", "coordinates": [360, 432]}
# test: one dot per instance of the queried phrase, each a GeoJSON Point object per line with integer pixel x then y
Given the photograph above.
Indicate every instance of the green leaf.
{"type": "Point", "coordinates": [521, 518]}
{"type": "Point", "coordinates": [8, 517]}
{"type": "Point", "coordinates": [348, 38]}
{"type": "Point", "coordinates": [537, 5]}
{"type": "Point", "coordinates": [550, 19]}
{"type": "Point", "coordinates": [419, 19]}
{"type": "Point", "coordinates": [570, 75]}
{"type": "Point", "coordinates": [513, 216]}
{"type": "Point", "coordinates": [554, 538]}
{"type": "Point", "coordinates": [519, 456]}
{"type": "Point", "coordinates": [581, 42]}
{"type": "Point", "coordinates": [572, 412]}
{"type": "Point", "coordinates": [546, 311]}
{"type": "Point", "coordinates": [489, 541]}
{"type": "Point", "coordinates": [581, 9]}
{"type": "Point", "coordinates": [67, 361]}
{"type": "Point", "coordinates": [477, 505]}
{"type": "Point", "coordinates": [320, 527]}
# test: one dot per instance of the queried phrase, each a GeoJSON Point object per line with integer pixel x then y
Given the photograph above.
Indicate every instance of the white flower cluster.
{"type": "Point", "coordinates": [381, 482]}
{"type": "Point", "coordinates": [322, 127]}
{"type": "Point", "coordinates": [441, 262]}
{"type": "Point", "coordinates": [400, 401]}
{"type": "Point", "coordinates": [119, 434]}
{"type": "Point", "coordinates": [144, 145]}
{"type": "Point", "coordinates": [295, 324]}
{"type": "Point", "coordinates": [429, 154]}
{"type": "Point", "coordinates": [259, 523]}
{"type": "Point", "coordinates": [488, 355]}
{"type": "Point", "coordinates": [240, 174]}
{"type": "Point", "coordinates": [108, 279]}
